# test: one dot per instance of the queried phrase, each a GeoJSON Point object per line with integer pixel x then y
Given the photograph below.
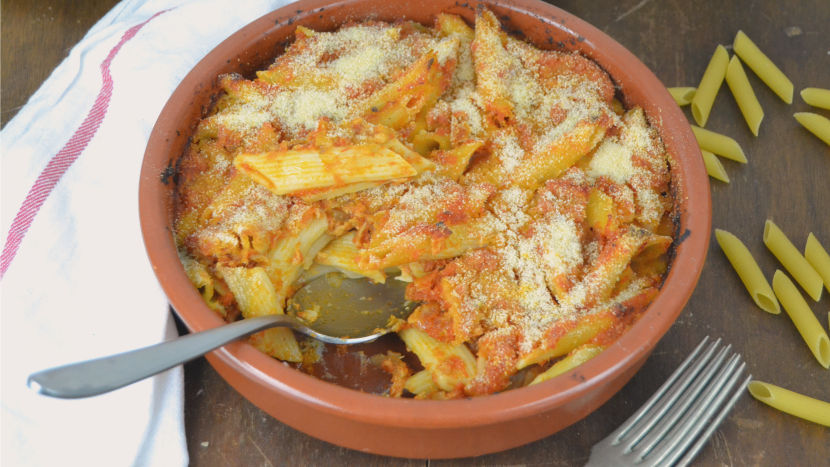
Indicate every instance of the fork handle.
{"type": "Point", "coordinates": [94, 377]}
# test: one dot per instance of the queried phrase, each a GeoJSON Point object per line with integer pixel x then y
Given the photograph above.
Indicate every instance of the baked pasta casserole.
{"type": "Point", "coordinates": [531, 214]}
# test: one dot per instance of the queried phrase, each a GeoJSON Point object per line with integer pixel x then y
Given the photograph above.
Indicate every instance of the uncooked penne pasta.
{"type": "Point", "coordinates": [744, 95]}
{"type": "Point", "coordinates": [719, 144]}
{"type": "Point", "coordinates": [790, 402]}
{"type": "Point", "coordinates": [576, 358]}
{"type": "Point", "coordinates": [788, 255]}
{"type": "Point", "coordinates": [816, 97]}
{"type": "Point", "coordinates": [763, 67]}
{"type": "Point", "coordinates": [709, 86]}
{"type": "Point", "coordinates": [803, 317]}
{"type": "Point", "coordinates": [748, 271]}
{"type": "Point", "coordinates": [683, 96]}
{"type": "Point", "coordinates": [817, 124]}
{"type": "Point", "coordinates": [817, 256]}
{"type": "Point", "coordinates": [714, 167]}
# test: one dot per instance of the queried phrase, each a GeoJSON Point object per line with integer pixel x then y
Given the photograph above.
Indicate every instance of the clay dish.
{"type": "Point", "coordinates": [405, 427]}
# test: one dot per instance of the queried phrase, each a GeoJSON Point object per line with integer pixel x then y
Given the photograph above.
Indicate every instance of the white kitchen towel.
{"type": "Point", "coordinates": [75, 282]}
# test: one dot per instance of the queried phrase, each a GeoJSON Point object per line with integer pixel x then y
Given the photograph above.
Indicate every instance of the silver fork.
{"type": "Point", "coordinates": [662, 431]}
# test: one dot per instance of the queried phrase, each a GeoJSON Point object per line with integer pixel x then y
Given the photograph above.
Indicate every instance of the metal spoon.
{"type": "Point", "coordinates": [351, 311]}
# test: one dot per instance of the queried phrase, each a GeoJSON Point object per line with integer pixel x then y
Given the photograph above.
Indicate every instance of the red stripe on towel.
{"type": "Point", "coordinates": [59, 164]}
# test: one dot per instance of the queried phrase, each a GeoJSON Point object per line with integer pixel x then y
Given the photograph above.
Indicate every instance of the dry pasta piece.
{"type": "Point", "coordinates": [816, 97]}
{"type": "Point", "coordinates": [748, 271]}
{"type": "Point", "coordinates": [790, 402]}
{"type": "Point", "coordinates": [576, 358]}
{"type": "Point", "coordinates": [788, 255]}
{"type": "Point", "coordinates": [709, 86]}
{"type": "Point", "coordinates": [714, 167]}
{"type": "Point", "coordinates": [744, 95]}
{"type": "Point", "coordinates": [719, 144]}
{"type": "Point", "coordinates": [817, 256]}
{"type": "Point", "coordinates": [818, 125]}
{"type": "Point", "coordinates": [803, 317]}
{"type": "Point", "coordinates": [763, 67]}
{"type": "Point", "coordinates": [683, 96]}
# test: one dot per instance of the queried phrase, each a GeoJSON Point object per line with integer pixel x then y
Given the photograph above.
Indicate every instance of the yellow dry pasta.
{"type": "Point", "coordinates": [683, 96]}
{"type": "Point", "coordinates": [817, 256]}
{"type": "Point", "coordinates": [714, 167]}
{"type": "Point", "coordinates": [744, 95]}
{"type": "Point", "coordinates": [803, 318]}
{"type": "Point", "coordinates": [709, 86]}
{"type": "Point", "coordinates": [788, 255]}
{"type": "Point", "coordinates": [748, 271]}
{"type": "Point", "coordinates": [817, 124]}
{"type": "Point", "coordinates": [816, 97]}
{"type": "Point", "coordinates": [719, 144]}
{"type": "Point", "coordinates": [763, 67]}
{"type": "Point", "coordinates": [790, 402]}
{"type": "Point", "coordinates": [576, 358]}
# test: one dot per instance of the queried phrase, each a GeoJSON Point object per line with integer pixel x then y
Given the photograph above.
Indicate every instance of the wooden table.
{"type": "Point", "coordinates": [787, 180]}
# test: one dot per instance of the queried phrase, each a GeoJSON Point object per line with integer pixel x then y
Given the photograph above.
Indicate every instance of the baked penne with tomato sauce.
{"type": "Point", "coordinates": [529, 212]}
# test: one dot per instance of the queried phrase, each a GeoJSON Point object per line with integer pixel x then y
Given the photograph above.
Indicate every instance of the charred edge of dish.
{"type": "Point", "coordinates": [465, 5]}
{"type": "Point", "coordinates": [578, 377]}
{"type": "Point", "coordinates": [167, 172]}
{"type": "Point", "coordinates": [514, 31]}
{"type": "Point", "coordinates": [178, 166]}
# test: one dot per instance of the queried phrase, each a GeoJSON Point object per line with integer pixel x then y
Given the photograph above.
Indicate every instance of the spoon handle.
{"type": "Point", "coordinates": [94, 377]}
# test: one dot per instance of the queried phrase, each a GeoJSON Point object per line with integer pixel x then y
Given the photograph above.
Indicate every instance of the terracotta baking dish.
{"type": "Point", "coordinates": [401, 427]}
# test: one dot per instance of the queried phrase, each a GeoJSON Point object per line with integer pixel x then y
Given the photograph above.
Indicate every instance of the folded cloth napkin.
{"type": "Point", "coordinates": [74, 278]}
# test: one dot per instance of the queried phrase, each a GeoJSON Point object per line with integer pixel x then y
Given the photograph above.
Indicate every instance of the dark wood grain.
{"type": "Point", "coordinates": [786, 180]}
{"type": "Point", "coordinates": [37, 36]}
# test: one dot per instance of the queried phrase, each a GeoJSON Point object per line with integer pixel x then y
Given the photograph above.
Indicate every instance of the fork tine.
{"type": "Point", "coordinates": [690, 393]}
{"type": "Point", "coordinates": [690, 455]}
{"type": "Point", "coordinates": [693, 422]}
{"type": "Point", "coordinates": [644, 410]}
{"type": "Point", "coordinates": [707, 365]}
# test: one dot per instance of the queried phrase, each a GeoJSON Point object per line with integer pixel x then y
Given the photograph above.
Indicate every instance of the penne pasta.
{"type": "Point", "coordinates": [719, 144]}
{"type": "Point", "coordinates": [816, 124]}
{"type": "Point", "coordinates": [257, 296]}
{"type": "Point", "coordinates": [744, 95]}
{"type": "Point", "coordinates": [683, 96]}
{"type": "Point", "coordinates": [341, 253]}
{"type": "Point", "coordinates": [790, 402]}
{"type": "Point", "coordinates": [450, 365]}
{"type": "Point", "coordinates": [709, 85]}
{"type": "Point", "coordinates": [714, 167]}
{"type": "Point", "coordinates": [817, 256]}
{"type": "Point", "coordinates": [763, 67]}
{"type": "Point", "coordinates": [286, 172]}
{"type": "Point", "coordinates": [573, 338]}
{"type": "Point", "coordinates": [749, 272]}
{"type": "Point", "coordinates": [803, 318]}
{"type": "Point", "coordinates": [421, 383]}
{"type": "Point", "coordinates": [816, 97]}
{"type": "Point", "coordinates": [576, 358]}
{"type": "Point", "coordinates": [788, 255]}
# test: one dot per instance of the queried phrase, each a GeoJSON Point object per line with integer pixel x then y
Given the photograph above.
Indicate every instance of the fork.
{"type": "Point", "coordinates": [661, 432]}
